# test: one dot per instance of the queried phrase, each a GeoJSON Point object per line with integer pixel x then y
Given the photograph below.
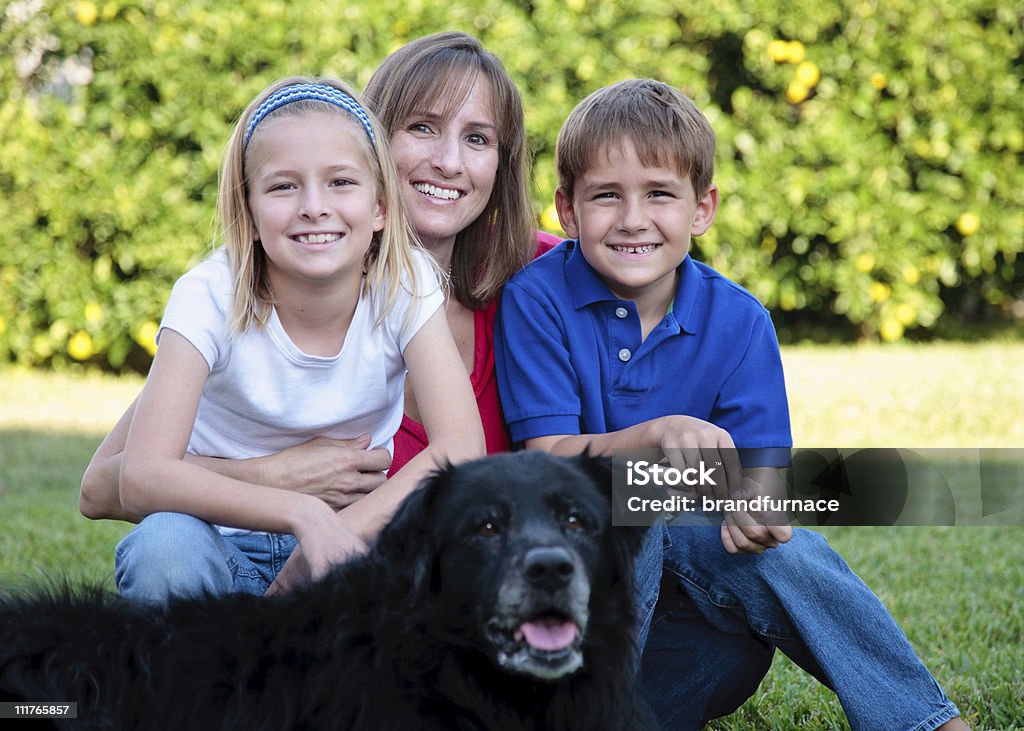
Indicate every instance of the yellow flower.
{"type": "Point", "coordinates": [146, 336]}
{"type": "Point", "coordinates": [80, 346]}
{"type": "Point", "coordinates": [93, 313]}
{"type": "Point", "coordinates": [795, 52]}
{"type": "Point", "coordinates": [549, 220]}
{"type": "Point", "coordinates": [906, 314]}
{"type": "Point", "coordinates": [3, 326]}
{"type": "Point", "coordinates": [86, 13]}
{"type": "Point", "coordinates": [796, 92]}
{"type": "Point", "coordinates": [911, 275]}
{"type": "Point", "coordinates": [891, 330]}
{"type": "Point", "coordinates": [878, 80]}
{"type": "Point", "coordinates": [778, 51]}
{"type": "Point", "coordinates": [865, 263]}
{"type": "Point", "coordinates": [879, 292]}
{"type": "Point", "coordinates": [968, 223]}
{"type": "Point", "coordinates": [808, 74]}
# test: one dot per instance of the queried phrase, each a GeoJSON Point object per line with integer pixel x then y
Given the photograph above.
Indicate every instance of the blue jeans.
{"type": "Point", "coordinates": [720, 617]}
{"type": "Point", "coordinates": [171, 554]}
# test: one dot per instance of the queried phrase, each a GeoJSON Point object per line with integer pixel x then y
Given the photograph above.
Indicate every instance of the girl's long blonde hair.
{"type": "Point", "coordinates": [389, 263]}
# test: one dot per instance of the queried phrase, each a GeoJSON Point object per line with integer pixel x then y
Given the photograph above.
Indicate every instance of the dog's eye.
{"type": "Point", "coordinates": [573, 521]}
{"type": "Point", "coordinates": [488, 529]}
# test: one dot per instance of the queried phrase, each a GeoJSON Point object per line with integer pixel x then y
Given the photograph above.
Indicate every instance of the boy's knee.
{"type": "Point", "coordinates": [170, 554]}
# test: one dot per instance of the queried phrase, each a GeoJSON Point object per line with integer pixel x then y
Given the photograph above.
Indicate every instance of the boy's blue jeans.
{"type": "Point", "coordinates": [719, 617]}
{"type": "Point", "coordinates": [175, 554]}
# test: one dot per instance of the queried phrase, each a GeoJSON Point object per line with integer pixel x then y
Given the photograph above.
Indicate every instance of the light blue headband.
{"type": "Point", "coordinates": [315, 92]}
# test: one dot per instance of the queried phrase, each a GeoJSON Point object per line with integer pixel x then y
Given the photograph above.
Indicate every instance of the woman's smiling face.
{"type": "Point", "coordinates": [447, 160]}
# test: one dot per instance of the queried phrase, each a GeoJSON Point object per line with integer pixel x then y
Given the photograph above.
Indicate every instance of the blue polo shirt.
{"type": "Point", "coordinates": [570, 358]}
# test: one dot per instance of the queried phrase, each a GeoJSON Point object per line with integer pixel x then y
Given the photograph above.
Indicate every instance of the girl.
{"type": "Point", "coordinates": [303, 324]}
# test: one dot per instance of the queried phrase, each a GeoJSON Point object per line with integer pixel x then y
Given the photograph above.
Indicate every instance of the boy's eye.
{"type": "Point", "coordinates": [661, 194]}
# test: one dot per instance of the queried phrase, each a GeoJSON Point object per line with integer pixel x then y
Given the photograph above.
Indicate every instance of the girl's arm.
{"type": "Point", "coordinates": [449, 414]}
{"type": "Point", "coordinates": [154, 476]}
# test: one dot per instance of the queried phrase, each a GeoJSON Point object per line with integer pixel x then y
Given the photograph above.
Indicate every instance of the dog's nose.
{"type": "Point", "coordinates": [549, 567]}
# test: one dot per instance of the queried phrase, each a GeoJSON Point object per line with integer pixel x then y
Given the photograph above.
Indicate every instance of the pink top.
{"type": "Point", "coordinates": [411, 438]}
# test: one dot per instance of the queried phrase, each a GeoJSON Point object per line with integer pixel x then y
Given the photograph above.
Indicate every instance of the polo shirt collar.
{"type": "Point", "coordinates": [587, 287]}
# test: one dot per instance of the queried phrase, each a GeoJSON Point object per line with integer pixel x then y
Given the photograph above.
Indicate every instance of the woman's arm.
{"type": "Point", "coordinates": [338, 471]}
{"type": "Point", "coordinates": [154, 477]}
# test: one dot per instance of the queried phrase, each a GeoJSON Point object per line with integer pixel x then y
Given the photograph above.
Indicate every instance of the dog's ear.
{"type": "Point", "coordinates": [627, 540]}
{"type": "Point", "coordinates": [408, 544]}
{"type": "Point", "coordinates": [598, 468]}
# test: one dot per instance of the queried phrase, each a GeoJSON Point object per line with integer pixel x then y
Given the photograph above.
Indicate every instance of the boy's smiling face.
{"type": "Point", "coordinates": [634, 223]}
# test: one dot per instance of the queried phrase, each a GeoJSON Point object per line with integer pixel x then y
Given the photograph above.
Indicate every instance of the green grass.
{"type": "Point", "coordinates": [956, 591]}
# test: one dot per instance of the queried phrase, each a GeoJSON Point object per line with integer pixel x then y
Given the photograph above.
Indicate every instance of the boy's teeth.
{"type": "Point", "coordinates": [316, 238]}
{"type": "Point", "coordinates": [434, 192]}
{"type": "Point", "coordinates": [634, 249]}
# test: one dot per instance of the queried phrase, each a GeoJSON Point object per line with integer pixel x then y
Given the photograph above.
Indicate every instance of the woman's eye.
{"type": "Point", "coordinates": [421, 127]}
{"type": "Point", "coordinates": [477, 139]}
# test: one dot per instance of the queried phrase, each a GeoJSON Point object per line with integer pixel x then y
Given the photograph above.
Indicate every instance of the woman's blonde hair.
{"type": "Point", "coordinates": [388, 264]}
{"type": "Point", "coordinates": [444, 67]}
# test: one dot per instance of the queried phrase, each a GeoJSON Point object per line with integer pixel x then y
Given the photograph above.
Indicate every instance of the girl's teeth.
{"type": "Point", "coordinates": [317, 238]}
{"type": "Point", "coordinates": [434, 192]}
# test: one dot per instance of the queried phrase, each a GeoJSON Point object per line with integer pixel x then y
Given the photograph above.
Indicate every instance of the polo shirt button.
{"type": "Point", "coordinates": [625, 355]}
{"type": "Point", "coordinates": [621, 313]}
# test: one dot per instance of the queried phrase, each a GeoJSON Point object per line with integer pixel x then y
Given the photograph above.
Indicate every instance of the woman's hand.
{"type": "Point", "coordinates": [338, 471]}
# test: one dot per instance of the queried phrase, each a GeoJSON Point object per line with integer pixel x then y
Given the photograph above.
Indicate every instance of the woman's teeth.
{"type": "Point", "coordinates": [433, 191]}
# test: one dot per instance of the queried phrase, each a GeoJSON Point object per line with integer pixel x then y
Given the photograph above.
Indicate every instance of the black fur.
{"type": "Point", "coordinates": [419, 634]}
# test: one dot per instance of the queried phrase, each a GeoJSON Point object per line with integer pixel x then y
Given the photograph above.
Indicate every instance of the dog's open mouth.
{"type": "Point", "coordinates": [546, 646]}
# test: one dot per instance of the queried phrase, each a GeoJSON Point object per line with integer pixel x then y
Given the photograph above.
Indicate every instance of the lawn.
{"type": "Point", "coordinates": [956, 591]}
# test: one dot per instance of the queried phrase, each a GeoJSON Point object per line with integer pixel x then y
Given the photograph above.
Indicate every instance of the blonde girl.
{"type": "Point", "coordinates": [302, 325]}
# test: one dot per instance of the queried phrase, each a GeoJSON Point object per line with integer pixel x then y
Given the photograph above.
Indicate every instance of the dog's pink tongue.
{"type": "Point", "coordinates": [550, 633]}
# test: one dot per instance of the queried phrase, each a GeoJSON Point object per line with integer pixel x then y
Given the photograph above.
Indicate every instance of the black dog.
{"type": "Point", "coordinates": [499, 597]}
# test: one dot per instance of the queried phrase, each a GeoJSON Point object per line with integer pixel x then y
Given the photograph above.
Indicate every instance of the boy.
{"type": "Point", "coordinates": [618, 339]}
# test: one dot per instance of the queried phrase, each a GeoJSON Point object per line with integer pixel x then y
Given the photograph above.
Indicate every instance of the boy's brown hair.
{"type": "Point", "coordinates": [664, 125]}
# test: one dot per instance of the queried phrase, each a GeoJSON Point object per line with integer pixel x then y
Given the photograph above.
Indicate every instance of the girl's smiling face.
{"type": "Point", "coordinates": [313, 197]}
{"type": "Point", "coordinates": [447, 162]}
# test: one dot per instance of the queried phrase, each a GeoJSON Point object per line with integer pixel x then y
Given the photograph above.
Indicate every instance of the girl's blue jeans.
{"type": "Point", "coordinates": [711, 632]}
{"type": "Point", "coordinates": [174, 554]}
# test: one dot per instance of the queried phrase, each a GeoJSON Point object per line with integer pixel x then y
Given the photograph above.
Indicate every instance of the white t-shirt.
{"type": "Point", "coordinates": [264, 394]}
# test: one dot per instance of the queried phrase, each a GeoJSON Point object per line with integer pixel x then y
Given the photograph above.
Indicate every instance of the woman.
{"type": "Point", "coordinates": [454, 118]}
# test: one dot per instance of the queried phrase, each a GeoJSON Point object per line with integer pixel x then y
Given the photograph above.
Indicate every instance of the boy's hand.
{"type": "Point", "coordinates": [748, 532]}
{"type": "Point", "coordinates": [687, 442]}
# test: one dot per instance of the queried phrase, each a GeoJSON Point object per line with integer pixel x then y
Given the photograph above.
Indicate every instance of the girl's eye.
{"type": "Point", "coordinates": [341, 182]}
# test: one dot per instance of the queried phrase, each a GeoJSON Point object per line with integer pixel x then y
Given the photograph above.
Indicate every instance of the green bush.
{"type": "Point", "coordinates": [869, 153]}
